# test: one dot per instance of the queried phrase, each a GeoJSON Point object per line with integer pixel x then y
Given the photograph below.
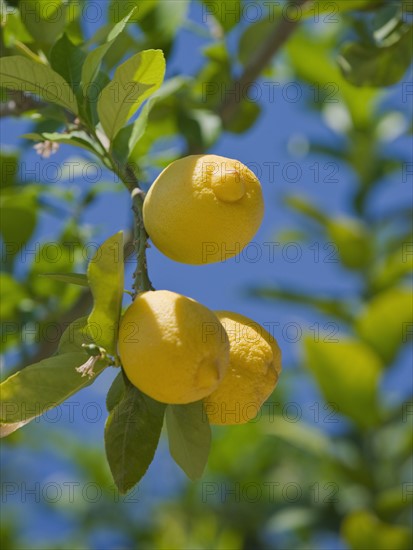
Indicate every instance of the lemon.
{"type": "Point", "coordinates": [203, 209]}
{"type": "Point", "coordinates": [172, 348]}
{"type": "Point", "coordinates": [254, 368]}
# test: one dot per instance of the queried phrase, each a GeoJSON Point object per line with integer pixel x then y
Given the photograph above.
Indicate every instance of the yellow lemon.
{"type": "Point", "coordinates": [203, 209]}
{"type": "Point", "coordinates": [172, 348]}
{"type": "Point", "coordinates": [254, 368]}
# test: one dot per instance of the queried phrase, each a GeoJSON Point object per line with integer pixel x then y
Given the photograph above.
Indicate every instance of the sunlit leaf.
{"type": "Point", "coordinates": [387, 322]}
{"type": "Point", "coordinates": [353, 241]}
{"type": "Point", "coordinates": [128, 137]}
{"type": "Point", "coordinates": [189, 436]}
{"type": "Point", "coordinates": [72, 278]}
{"type": "Point", "coordinates": [45, 20]}
{"type": "Point", "coordinates": [39, 387]}
{"type": "Point", "coordinates": [134, 81]}
{"type": "Point", "coordinates": [348, 374]}
{"type": "Point", "coordinates": [17, 220]}
{"type": "Point", "coordinates": [363, 530]}
{"type": "Point", "coordinates": [94, 58]}
{"type": "Point", "coordinates": [19, 73]}
{"type": "Point", "coordinates": [76, 335]}
{"type": "Point", "coordinates": [105, 276]}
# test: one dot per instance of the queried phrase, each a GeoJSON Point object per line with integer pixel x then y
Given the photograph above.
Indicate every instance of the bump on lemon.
{"type": "Point", "coordinates": [203, 209]}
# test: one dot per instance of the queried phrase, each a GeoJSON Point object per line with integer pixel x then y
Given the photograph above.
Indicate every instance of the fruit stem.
{"type": "Point", "coordinates": [141, 281]}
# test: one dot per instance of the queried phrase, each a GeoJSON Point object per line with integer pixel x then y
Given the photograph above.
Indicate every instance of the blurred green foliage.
{"type": "Point", "coordinates": [273, 483]}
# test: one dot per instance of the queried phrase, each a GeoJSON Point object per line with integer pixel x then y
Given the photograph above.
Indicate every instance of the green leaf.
{"type": "Point", "coordinates": [330, 306]}
{"type": "Point", "coordinates": [129, 136]}
{"type": "Point", "coordinates": [42, 386]}
{"type": "Point", "coordinates": [134, 81]}
{"type": "Point", "coordinates": [377, 66]}
{"type": "Point", "coordinates": [386, 322]}
{"type": "Point", "coordinates": [106, 275]}
{"type": "Point", "coordinates": [93, 61]}
{"type": "Point", "coordinates": [302, 205]}
{"type": "Point", "coordinates": [227, 12]}
{"type": "Point", "coordinates": [13, 27]}
{"type": "Point", "coordinates": [12, 294]}
{"type": "Point", "coordinates": [353, 241]}
{"type": "Point", "coordinates": [318, 7]}
{"type": "Point", "coordinates": [132, 433]}
{"type": "Point", "coordinates": [306, 438]}
{"type": "Point", "coordinates": [18, 219]}
{"type": "Point", "coordinates": [120, 8]}
{"type": "Point", "coordinates": [160, 24]}
{"type": "Point", "coordinates": [77, 334]}
{"type": "Point", "coordinates": [115, 393]}
{"type": "Point", "coordinates": [253, 37]}
{"type": "Point", "coordinates": [348, 374]}
{"type": "Point", "coordinates": [44, 20]}
{"type": "Point", "coordinates": [393, 268]}
{"type": "Point", "coordinates": [8, 169]}
{"type": "Point", "coordinates": [362, 530]}
{"type": "Point", "coordinates": [245, 116]}
{"type": "Point", "coordinates": [189, 436]}
{"type": "Point", "coordinates": [68, 60]}
{"type": "Point", "coordinates": [310, 58]}
{"type": "Point", "coordinates": [72, 278]}
{"type": "Point", "coordinates": [19, 73]}
{"type": "Point", "coordinates": [77, 138]}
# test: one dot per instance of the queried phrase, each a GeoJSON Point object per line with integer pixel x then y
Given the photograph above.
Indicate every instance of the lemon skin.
{"type": "Point", "coordinates": [203, 209]}
{"type": "Point", "coordinates": [172, 348]}
{"type": "Point", "coordinates": [253, 372]}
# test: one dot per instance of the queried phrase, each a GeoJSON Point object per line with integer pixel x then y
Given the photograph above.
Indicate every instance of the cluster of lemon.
{"type": "Point", "coordinates": [173, 348]}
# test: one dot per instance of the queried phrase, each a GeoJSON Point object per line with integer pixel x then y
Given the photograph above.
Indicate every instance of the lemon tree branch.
{"type": "Point", "coordinates": [258, 63]}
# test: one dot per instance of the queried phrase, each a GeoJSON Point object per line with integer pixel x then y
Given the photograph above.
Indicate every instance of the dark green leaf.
{"type": "Point", "coordinates": [115, 392]}
{"type": "Point", "coordinates": [226, 12]}
{"type": "Point", "coordinates": [245, 116]}
{"type": "Point", "coordinates": [8, 169]}
{"type": "Point", "coordinates": [132, 433]}
{"type": "Point", "coordinates": [376, 66]}
{"type": "Point", "coordinates": [68, 60]}
{"type": "Point", "coordinates": [189, 436]}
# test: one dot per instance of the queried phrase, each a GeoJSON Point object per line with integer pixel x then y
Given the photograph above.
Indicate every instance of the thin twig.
{"type": "Point", "coordinates": [257, 64]}
{"type": "Point", "coordinates": [18, 103]}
